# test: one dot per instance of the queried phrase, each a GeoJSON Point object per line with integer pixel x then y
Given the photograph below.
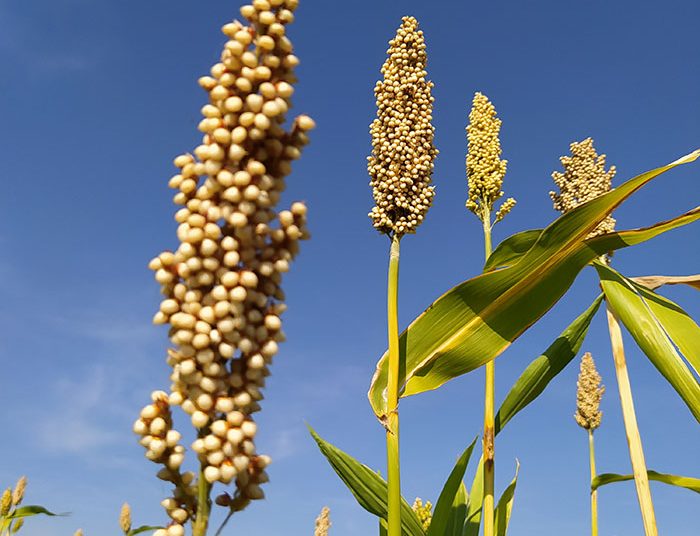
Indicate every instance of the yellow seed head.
{"type": "Point", "coordinates": [584, 178]}
{"type": "Point", "coordinates": [323, 522]}
{"type": "Point", "coordinates": [125, 518]}
{"type": "Point", "coordinates": [78, 532]}
{"type": "Point", "coordinates": [588, 395]}
{"type": "Point", "coordinates": [18, 493]}
{"type": "Point", "coordinates": [5, 502]}
{"type": "Point", "coordinates": [401, 163]}
{"type": "Point", "coordinates": [423, 511]}
{"type": "Point", "coordinates": [485, 168]}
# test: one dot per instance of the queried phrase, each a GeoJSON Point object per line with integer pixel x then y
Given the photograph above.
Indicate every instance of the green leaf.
{"type": "Point", "coordinates": [477, 320]}
{"type": "Point", "coordinates": [645, 328]}
{"type": "Point", "coordinates": [535, 378]}
{"type": "Point", "coordinates": [368, 487]}
{"type": "Point", "coordinates": [444, 505]}
{"type": "Point", "coordinates": [505, 506]}
{"type": "Point", "coordinates": [476, 500]}
{"type": "Point", "coordinates": [677, 324]}
{"type": "Point", "coordinates": [31, 510]}
{"type": "Point", "coordinates": [511, 249]}
{"type": "Point", "coordinates": [142, 529]}
{"type": "Point", "coordinates": [686, 482]}
{"type": "Point", "coordinates": [458, 513]}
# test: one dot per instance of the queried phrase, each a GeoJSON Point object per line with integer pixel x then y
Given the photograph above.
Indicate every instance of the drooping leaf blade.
{"type": "Point", "coordinates": [505, 505]}
{"type": "Point", "coordinates": [686, 482]}
{"type": "Point", "coordinates": [368, 487]}
{"type": "Point", "coordinates": [31, 510]}
{"type": "Point", "coordinates": [649, 335]}
{"type": "Point", "coordinates": [678, 325]}
{"type": "Point", "coordinates": [443, 507]}
{"type": "Point", "coordinates": [477, 320]}
{"type": "Point", "coordinates": [652, 282]}
{"type": "Point", "coordinates": [535, 378]}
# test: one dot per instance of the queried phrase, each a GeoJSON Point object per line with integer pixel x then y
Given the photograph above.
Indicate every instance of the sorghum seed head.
{"type": "Point", "coordinates": [485, 168]}
{"type": "Point", "coordinates": [423, 511]}
{"type": "Point", "coordinates": [125, 518]}
{"type": "Point", "coordinates": [18, 493]}
{"type": "Point", "coordinates": [323, 522]}
{"type": "Point", "coordinates": [6, 502]}
{"type": "Point", "coordinates": [584, 178]}
{"type": "Point", "coordinates": [221, 286]}
{"type": "Point", "coordinates": [588, 395]}
{"type": "Point", "coordinates": [401, 163]}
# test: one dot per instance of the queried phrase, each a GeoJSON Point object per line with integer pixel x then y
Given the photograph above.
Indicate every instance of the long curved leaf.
{"type": "Point", "coordinates": [368, 487]}
{"type": "Point", "coordinates": [647, 331]}
{"type": "Point", "coordinates": [677, 324]}
{"type": "Point", "coordinates": [443, 507]}
{"type": "Point", "coordinates": [505, 505]}
{"type": "Point", "coordinates": [686, 482]}
{"type": "Point", "coordinates": [31, 510]}
{"type": "Point", "coordinates": [535, 378]}
{"type": "Point", "coordinates": [477, 320]}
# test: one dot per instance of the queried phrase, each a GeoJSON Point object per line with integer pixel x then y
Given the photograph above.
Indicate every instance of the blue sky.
{"type": "Point", "coordinates": [98, 97]}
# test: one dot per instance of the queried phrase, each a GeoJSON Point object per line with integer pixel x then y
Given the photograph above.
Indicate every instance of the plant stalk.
{"type": "Point", "coordinates": [634, 440]}
{"type": "Point", "coordinates": [594, 493]}
{"type": "Point", "coordinates": [201, 520]}
{"type": "Point", "coordinates": [392, 424]}
{"type": "Point", "coordinates": [488, 443]}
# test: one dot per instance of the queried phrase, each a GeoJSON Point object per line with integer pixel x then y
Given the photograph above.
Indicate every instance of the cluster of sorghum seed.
{"type": "Point", "coordinates": [584, 178]}
{"type": "Point", "coordinates": [588, 395]}
{"type": "Point", "coordinates": [401, 163]}
{"type": "Point", "coordinates": [485, 169]}
{"type": "Point", "coordinates": [323, 522]}
{"type": "Point", "coordinates": [223, 298]}
{"type": "Point", "coordinates": [423, 511]}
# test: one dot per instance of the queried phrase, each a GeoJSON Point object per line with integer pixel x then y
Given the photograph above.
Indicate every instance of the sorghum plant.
{"type": "Point", "coordinates": [588, 415]}
{"type": "Point", "coordinates": [401, 166]}
{"type": "Point", "coordinates": [223, 298]}
{"type": "Point", "coordinates": [485, 173]}
{"type": "Point", "coordinates": [584, 179]}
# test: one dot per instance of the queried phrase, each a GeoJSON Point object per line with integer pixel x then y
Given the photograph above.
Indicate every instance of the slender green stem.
{"type": "Point", "coordinates": [594, 493]}
{"type": "Point", "coordinates": [392, 424]}
{"type": "Point", "coordinates": [488, 443]}
{"type": "Point", "coordinates": [201, 520]}
{"type": "Point", "coordinates": [634, 440]}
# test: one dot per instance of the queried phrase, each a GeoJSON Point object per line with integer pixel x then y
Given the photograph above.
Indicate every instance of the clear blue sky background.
{"type": "Point", "coordinates": [98, 97]}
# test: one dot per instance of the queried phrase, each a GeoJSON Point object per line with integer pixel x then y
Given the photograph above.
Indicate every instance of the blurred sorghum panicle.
{"type": "Point", "coordinates": [485, 169]}
{"type": "Point", "coordinates": [125, 518]}
{"type": "Point", "coordinates": [401, 163]}
{"type": "Point", "coordinates": [584, 178]}
{"type": "Point", "coordinates": [588, 395]}
{"type": "Point", "coordinates": [222, 291]}
{"type": "Point", "coordinates": [323, 522]}
{"type": "Point", "coordinates": [423, 511]}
